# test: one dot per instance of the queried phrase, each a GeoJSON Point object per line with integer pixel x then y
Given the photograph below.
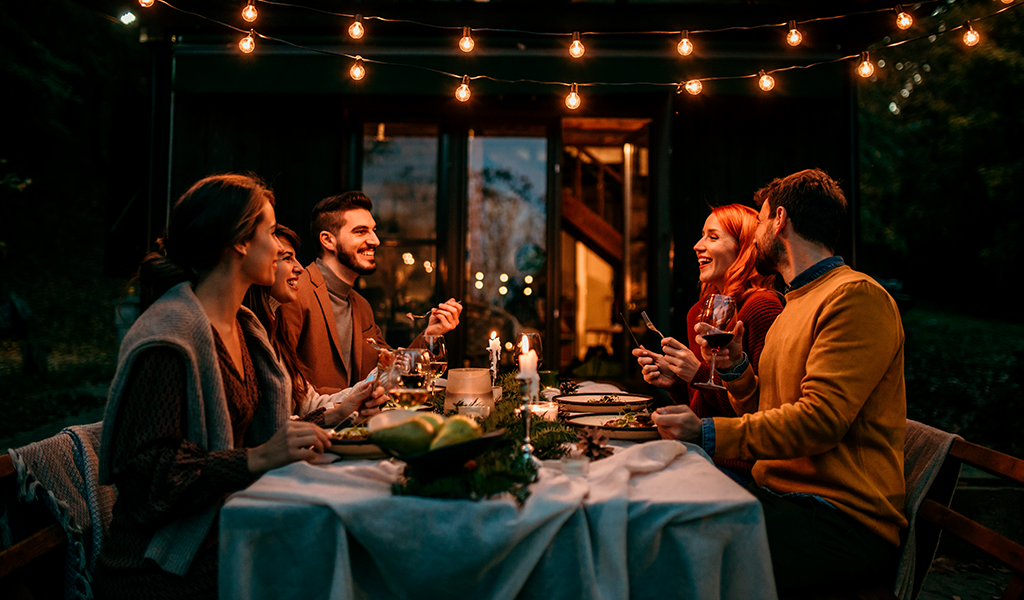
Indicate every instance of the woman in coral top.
{"type": "Point", "coordinates": [725, 256]}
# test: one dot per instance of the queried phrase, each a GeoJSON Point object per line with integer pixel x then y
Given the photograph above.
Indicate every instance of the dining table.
{"type": "Point", "coordinates": [654, 520]}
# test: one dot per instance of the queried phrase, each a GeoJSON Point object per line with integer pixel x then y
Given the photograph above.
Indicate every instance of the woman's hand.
{"type": "Point", "coordinates": [295, 441]}
{"type": "Point", "coordinates": [656, 371]}
{"type": "Point", "coordinates": [679, 359]}
{"type": "Point", "coordinates": [365, 396]}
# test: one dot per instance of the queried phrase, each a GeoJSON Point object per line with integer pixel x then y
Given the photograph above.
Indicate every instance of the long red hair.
{"type": "Point", "coordinates": [741, 279]}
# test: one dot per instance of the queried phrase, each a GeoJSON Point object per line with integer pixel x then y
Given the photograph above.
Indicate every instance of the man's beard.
{"type": "Point", "coordinates": [768, 256]}
{"type": "Point", "coordinates": [350, 261]}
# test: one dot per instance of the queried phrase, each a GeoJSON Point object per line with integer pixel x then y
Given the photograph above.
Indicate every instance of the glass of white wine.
{"type": "Point", "coordinates": [438, 357]}
{"type": "Point", "coordinates": [410, 372]}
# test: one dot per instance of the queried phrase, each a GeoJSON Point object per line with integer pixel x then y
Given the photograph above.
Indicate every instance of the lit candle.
{"type": "Point", "coordinates": [494, 345]}
{"type": "Point", "coordinates": [528, 368]}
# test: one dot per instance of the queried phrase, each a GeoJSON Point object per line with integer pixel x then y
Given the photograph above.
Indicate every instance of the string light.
{"type": "Point", "coordinates": [573, 100]}
{"type": "Point", "coordinates": [128, 18]}
{"type": "Point", "coordinates": [248, 43]}
{"type": "Point", "coordinates": [356, 29]}
{"type": "Point", "coordinates": [249, 12]}
{"type": "Point", "coordinates": [1008, 1]}
{"type": "Point", "coordinates": [903, 19]}
{"type": "Point", "coordinates": [576, 48]}
{"type": "Point", "coordinates": [462, 92]}
{"type": "Point", "coordinates": [685, 46]}
{"type": "Point", "coordinates": [466, 44]}
{"type": "Point", "coordinates": [146, 3]}
{"type": "Point", "coordinates": [794, 37]}
{"type": "Point", "coordinates": [971, 37]}
{"type": "Point", "coordinates": [865, 69]}
{"type": "Point", "coordinates": [694, 86]}
{"type": "Point", "coordinates": [766, 82]}
{"type": "Point", "coordinates": [357, 71]}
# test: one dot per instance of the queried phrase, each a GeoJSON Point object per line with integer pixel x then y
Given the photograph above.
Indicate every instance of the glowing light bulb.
{"type": "Point", "coordinates": [685, 46]}
{"type": "Point", "coordinates": [357, 71]}
{"type": "Point", "coordinates": [694, 86]}
{"type": "Point", "coordinates": [356, 29]}
{"type": "Point", "coordinates": [462, 92]}
{"type": "Point", "coordinates": [1008, 1]}
{"type": "Point", "coordinates": [903, 19]}
{"type": "Point", "coordinates": [466, 44]}
{"type": "Point", "coordinates": [971, 37]}
{"type": "Point", "coordinates": [128, 18]}
{"type": "Point", "coordinates": [248, 43]}
{"type": "Point", "coordinates": [146, 3]}
{"type": "Point", "coordinates": [249, 12]}
{"type": "Point", "coordinates": [766, 82]}
{"type": "Point", "coordinates": [576, 48]}
{"type": "Point", "coordinates": [573, 100]}
{"type": "Point", "coordinates": [865, 69]}
{"type": "Point", "coordinates": [794, 37]}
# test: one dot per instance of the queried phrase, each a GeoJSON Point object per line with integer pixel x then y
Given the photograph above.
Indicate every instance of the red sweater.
{"type": "Point", "coordinates": [757, 312]}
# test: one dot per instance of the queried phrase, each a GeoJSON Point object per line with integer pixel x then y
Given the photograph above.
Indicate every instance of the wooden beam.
{"type": "Point", "coordinates": [30, 549]}
{"type": "Point", "coordinates": [591, 229]}
{"type": "Point", "coordinates": [991, 543]}
{"type": "Point", "coordinates": [988, 460]}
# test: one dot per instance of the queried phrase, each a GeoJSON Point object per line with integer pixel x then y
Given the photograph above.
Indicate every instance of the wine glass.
{"type": "Point", "coordinates": [534, 343]}
{"type": "Point", "coordinates": [438, 357]}
{"type": "Point", "coordinates": [720, 313]}
{"type": "Point", "coordinates": [408, 377]}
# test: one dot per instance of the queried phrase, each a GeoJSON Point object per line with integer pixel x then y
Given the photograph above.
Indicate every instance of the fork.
{"type": "Point", "coordinates": [413, 317]}
{"type": "Point", "coordinates": [650, 325]}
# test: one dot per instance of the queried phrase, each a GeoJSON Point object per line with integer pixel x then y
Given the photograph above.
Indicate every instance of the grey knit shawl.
{"type": "Point", "coordinates": [178, 321]}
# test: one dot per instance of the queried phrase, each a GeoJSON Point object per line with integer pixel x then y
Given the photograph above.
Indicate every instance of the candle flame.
{"type": "Point", "coordinates": [494, 335]}
{"type": "Point", "coordinates": [526, 344]}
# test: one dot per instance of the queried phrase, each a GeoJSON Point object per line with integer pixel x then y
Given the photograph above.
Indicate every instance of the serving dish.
{"type": "Point", "coordinates": [598, 403]}
{"type": "Point", "coordinates": [615, 433]}
{"type": "Point", "coordinates": [449, 458]}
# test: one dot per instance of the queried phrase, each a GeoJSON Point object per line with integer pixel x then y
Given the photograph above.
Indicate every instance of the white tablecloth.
{"type": "Point", "coordinates": [656, 520]}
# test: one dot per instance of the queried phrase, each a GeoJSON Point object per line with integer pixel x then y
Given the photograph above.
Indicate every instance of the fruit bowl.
{"type": "Point", "coordinates": [449, 458]}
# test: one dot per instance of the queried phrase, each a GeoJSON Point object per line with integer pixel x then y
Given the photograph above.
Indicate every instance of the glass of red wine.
{"type": "Point", "coordinates": [720, 313]}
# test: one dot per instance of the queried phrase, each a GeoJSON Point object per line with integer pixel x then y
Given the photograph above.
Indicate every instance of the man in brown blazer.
{"type": "Point", "coordinates": [330, 321]}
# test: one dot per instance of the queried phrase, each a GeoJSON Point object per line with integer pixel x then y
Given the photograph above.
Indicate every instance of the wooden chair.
{"type": "Point", "coordinates": [33, 565]}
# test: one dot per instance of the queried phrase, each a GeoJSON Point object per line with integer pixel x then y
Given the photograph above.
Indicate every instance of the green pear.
{"type": "Point", "coordinates": [435, 419]}
{"type": "Point", "coordinates": [412, 436]}
{"type": "Point", "coordinates": [456, 430]}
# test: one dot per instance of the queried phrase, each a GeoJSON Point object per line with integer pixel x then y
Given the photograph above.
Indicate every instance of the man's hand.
{"type": "Point", "coordinates": [677, 422]}
{"type": "Point", "coordinates": [730, 354]}
{"type": "Point", "coordinates": [680, 359]}
{"type": "Point", "coordinates": [444, 318]}
{"type": "Point", "coordinates": [656, 371]}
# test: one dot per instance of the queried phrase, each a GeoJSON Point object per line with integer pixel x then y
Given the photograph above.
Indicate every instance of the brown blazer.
{"type": "Point", "coordinates": [310, 329]}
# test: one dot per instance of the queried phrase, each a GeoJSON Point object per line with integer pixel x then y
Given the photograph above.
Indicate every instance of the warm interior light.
{"type": "Point", "coordinates": [573, 100]}
{"type": "Point", "coordinates": [794, 37]}
{"type": "Point", "coordinates": [247, 44]}
{"type": "Point", "coordinates": [128, 18]}
{"type": "Point", "coordinates": [356, 29]}
{"type": "Point", "coordinates": [249, 12]}
{"type": "Point", "coordinates": [685, 46]}
{"type": "Point", "coordinates": [466, 44]}
{"type": "Point", "coordinates": [462, 92]}
{"type": "Point", "coordinates": [971, 37]}
{"type": "Point", "coordinates": [146, 3]}
{"type": "Point", "coordinates": [694, 86]}
{"type": "Point", "coordinates": [865, 68]}
{"type": "Point", "coordinates": [576, 48]}
{"type": "Point", "coordinates": [357, 71]}
{"type": "Point", "coordinates": [766, 82]}
{"type": "Point", "coordinates": [903, 19]}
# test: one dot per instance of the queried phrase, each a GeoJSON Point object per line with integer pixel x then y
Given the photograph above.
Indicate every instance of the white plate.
{"type": "Point", "coordinates": [589, 402]}
{"type": "Point", "coordinates": [615, 433]}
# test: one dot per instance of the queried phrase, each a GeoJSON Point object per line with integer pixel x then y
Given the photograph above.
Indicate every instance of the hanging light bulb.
{"type": "Point", "coordinates": [573, 100]}
{"type": "Point", "coordinates": [356, 29]}
{"type": "Point", "coordinates": [249, 12]}
{"type": "Point", "coordinates": [146, 3]}
{"type": "Point", "coordinates": [462, 92]}
{"type": "Point", "coordinates": [576, 48]}
{"type": "Point", "coordinates": [248, 43]}
{"type": "Point", "coordinates": [694, 86]}
{"type": "Point", "coordinates": [766, 82]}
{"type": "Point", "coordinates": [794, 37]}
{"type": "Point", "coordinates": [971, 37]}
{"type": "Point", "coordinates": [466, 44]}
{"type": "Point", "coordinates": [903, 19]}
{"type": "Point", "coordinates": [357, 71]}
{"type": "Point", "coordinates": [685, 46]}
{"type": "Point", "coordinates": [865, 69]}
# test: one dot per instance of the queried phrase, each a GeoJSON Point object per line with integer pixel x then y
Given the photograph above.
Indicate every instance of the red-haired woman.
{"type": "Point", "coordinates": [725, 256]}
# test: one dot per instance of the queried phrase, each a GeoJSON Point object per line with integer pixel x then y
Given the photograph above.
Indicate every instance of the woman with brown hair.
{"type": "Point", "coordinates": [199, 404]}
{"type": "Point", "coordinates": [264, 301]}
{"type": "Point", "coordinates": [725, 256]}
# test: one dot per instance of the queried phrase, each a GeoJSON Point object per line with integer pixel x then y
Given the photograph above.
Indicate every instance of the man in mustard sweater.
{"type": "Point", "coordinates": [826, 417]}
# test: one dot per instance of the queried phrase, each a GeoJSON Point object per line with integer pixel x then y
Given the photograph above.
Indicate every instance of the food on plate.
{"type": "Point", "coordinates": [357, 432]}
{"type": "Point", "coordinates": [456, 430]}
{"type": "Point", "coordinates": [631, 419]}
{"type": "Point", "coordinates": [607, 398]}
{"type": "Point", "coordinates": [411, 436]}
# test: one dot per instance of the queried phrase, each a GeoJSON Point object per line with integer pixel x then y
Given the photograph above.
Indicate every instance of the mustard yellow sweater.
{"type": "Point", "coordinates": [832, 406]}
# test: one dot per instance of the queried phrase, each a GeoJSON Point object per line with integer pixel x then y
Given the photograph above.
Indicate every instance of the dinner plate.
{"type": "Point", "coordinates": [615, 433]}
{"type": "Point", "coordinates": [449, 458]}
{"type": "Point", "coordinates": [591, 402]}
{"type": "Point", "coordinates": [356, 448]}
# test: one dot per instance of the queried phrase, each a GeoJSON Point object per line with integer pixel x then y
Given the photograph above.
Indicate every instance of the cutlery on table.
{"type": "Point", "coordinates": [636, 343]}
{"type": "Point", "coordinates": [650, 325]}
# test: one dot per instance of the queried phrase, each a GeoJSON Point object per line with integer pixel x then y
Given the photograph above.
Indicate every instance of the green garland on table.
{"type": "Point", "coordinates": [500, 470]}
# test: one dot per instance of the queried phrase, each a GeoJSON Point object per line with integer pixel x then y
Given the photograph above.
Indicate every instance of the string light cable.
{"type": "Point", "coordinates": [680, 86]}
